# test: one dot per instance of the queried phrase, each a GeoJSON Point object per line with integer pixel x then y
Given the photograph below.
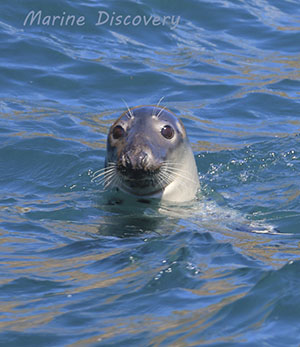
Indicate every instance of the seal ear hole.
{"type": "Point", "coordinates": [118, 132]}
{"type": "Point", "coordinates": [167, 132]}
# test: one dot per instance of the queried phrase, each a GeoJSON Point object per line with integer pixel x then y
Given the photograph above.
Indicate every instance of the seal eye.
{"type": "Point", "coordinates": [167, 131]}
{"type": "Point", "coordinates": [118, 132]}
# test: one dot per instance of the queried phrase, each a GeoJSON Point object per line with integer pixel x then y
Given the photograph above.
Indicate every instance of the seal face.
{"type": "Point", "coordinates": [148, 155]}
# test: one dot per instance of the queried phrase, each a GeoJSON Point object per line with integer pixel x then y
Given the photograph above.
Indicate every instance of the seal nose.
{"type": "Point", "coordinates": [135, 161]}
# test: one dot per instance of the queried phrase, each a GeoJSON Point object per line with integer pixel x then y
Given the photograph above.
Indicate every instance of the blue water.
{"type": "Point", "coordinates": [76, 271]}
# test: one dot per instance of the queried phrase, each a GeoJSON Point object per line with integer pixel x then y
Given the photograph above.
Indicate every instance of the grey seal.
{"type": "Point", "coordinates": [149, 156]}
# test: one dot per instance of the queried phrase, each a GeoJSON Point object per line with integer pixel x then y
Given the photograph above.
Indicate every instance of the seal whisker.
{"type": "Point", "coordinates": [113, 180]}
{"type": "Point", "coordinates": [175, 168]}
{"type": "Point", "coordinates": [161, 181]}
{"type": "Point", "coordinates": [166, 180]}
{"type": "Point", "coordinates": [157, 105]}
{"type": "Point", "coordinates": [99, 171]}
{"type": "Point", "coordinates": [129, 110]}
{"type": "Point", "coordinates": [166, 176]}
{"type": "Point", "coordinates": [172, 169]}
{"type": "Point", "coordinates": [100, 177]}
{"type": "Point", "coordinates": [171, 164]}
{"type": "Point", "coordinates": [109, 165]}
{"type": "Point", "coordinates": [103, 173]}
{"type": "Point", "coordinates": [104, 179]}
{"type": "Point", "coordinates": [162, 109]}
{"type": "Point", "coordinates": [106, 175]}
{"type": "Point", "coordinates": [160, 100]}
{"type": "Point", "coordinates": [167, 170]}
{"type": "Point", "coordinates": [178, 174]}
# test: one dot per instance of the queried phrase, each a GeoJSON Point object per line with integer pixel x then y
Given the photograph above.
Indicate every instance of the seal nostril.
{"type": "Point", "coordinates": [134, 161]}
{"type": "Point", "coordinates": [143, 158]}
{"type": "Point", "coordinates": [127, 161]}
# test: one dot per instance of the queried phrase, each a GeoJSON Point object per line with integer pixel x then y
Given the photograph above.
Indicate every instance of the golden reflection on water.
{"type": "Point", "coordinates": [250, 74]}
{"type": "Point", "coordinates": [185, 322]}
{"type": "Point", "coordinates": [25, 318]}
{"type": "Point", "coordinates": [180, 322]}
{"type": "Point", "coordinates": [72, 270]}
{"type": "Point", "coordinates": [98, 123]}
{"type": "Point", "coordinates": [58, 270]}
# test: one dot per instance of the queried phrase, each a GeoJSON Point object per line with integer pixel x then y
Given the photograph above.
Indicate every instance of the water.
{"type": "Point", "coordinates": [77, 272]}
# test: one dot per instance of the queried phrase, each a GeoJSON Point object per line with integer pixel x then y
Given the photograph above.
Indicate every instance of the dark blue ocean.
{"type": "Point", "coordinates": [78, 271]}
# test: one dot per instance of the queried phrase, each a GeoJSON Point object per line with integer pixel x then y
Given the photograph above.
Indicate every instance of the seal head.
{"type": "Point", "coordinates": [149, 155]}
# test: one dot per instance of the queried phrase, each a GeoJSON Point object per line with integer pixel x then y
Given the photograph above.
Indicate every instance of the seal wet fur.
{"type": "Point", "coordinates": [149, 156]}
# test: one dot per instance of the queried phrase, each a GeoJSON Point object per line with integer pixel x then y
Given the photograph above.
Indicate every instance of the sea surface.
{"type": "Point", "coordinates": [221, 271]}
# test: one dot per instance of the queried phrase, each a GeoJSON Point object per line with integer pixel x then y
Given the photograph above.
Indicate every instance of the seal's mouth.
{"type": "Point", "coordinates": [137, 173]}
{"type": "Point", "coordinates": [139, 178]}
{"type": "Point", "coordinates": [136, 180]}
